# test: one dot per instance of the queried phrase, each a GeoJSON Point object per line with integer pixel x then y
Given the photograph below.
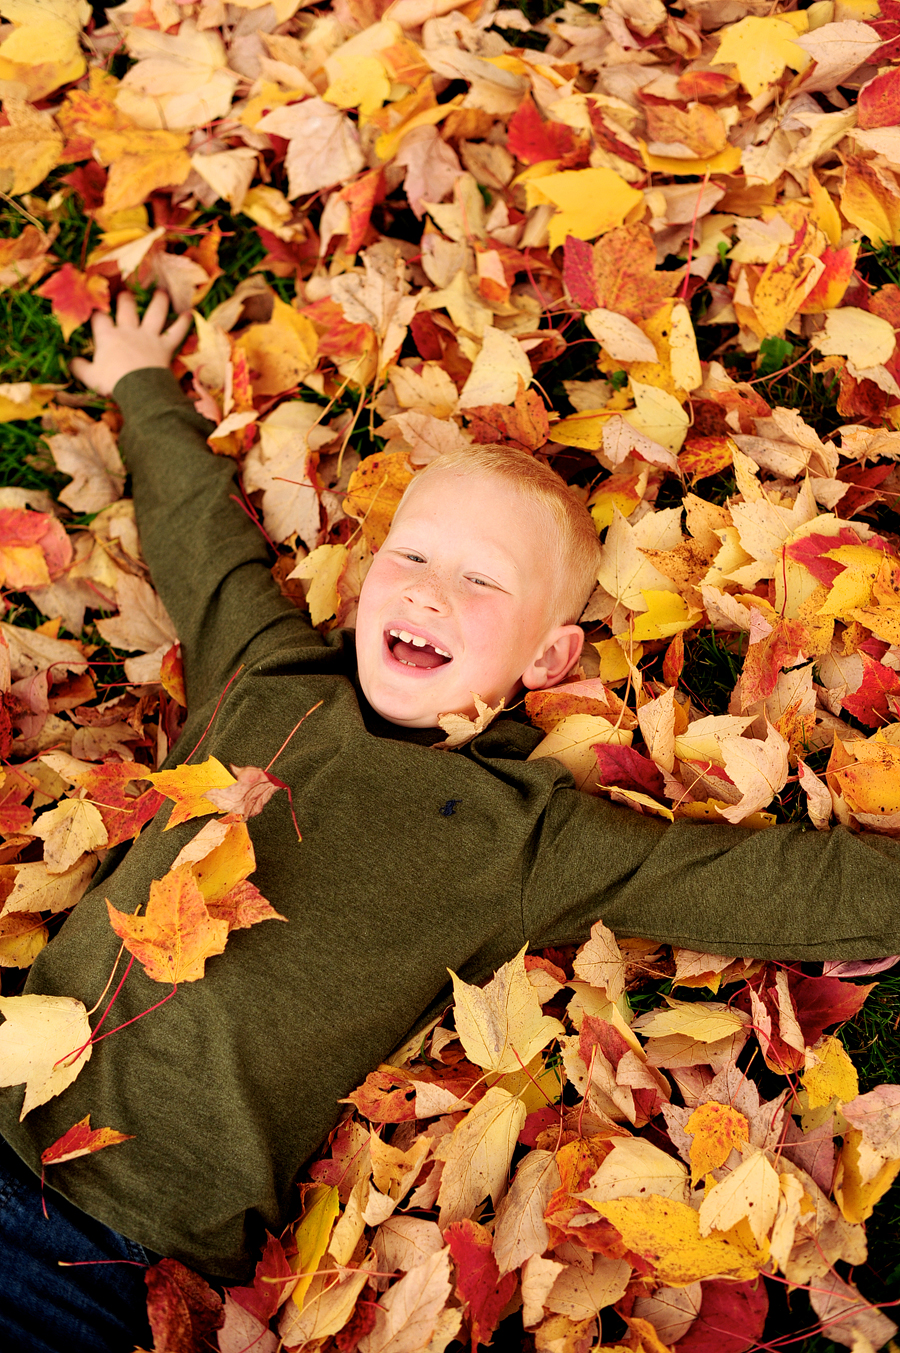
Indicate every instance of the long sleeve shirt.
{"type": "Point", "coordinates": [230, 1086]}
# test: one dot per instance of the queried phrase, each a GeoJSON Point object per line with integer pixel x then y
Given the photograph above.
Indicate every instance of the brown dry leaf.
{"type": "Point", "coordinates": [520, 1229]}
{"type": "Point", "coordinates": [460, 729]}
{"type": "Point", "coordinates": [86, 450]}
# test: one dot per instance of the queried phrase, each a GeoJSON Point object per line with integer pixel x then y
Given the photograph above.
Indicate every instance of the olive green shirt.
{"type": "Point", "coordinates": [412, 861]}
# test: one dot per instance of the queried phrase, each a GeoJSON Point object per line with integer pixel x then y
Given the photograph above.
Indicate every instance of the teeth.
{"type": "Point", "coordinates": [417, 642]}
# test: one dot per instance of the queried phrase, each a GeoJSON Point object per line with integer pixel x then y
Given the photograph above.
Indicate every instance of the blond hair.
{"type": "Point", "coordinates": [573, 545]}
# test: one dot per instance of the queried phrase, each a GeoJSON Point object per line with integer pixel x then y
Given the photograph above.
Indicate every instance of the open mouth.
{"type": "Point", "coordinates": [414, 651]}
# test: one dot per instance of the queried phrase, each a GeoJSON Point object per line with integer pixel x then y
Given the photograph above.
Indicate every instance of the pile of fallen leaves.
{"type": "Point", "coordinates": [458, 210]}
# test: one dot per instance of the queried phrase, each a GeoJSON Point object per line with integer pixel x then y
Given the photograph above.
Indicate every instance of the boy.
{"type": "Point", "coordinates": [229, 1087]}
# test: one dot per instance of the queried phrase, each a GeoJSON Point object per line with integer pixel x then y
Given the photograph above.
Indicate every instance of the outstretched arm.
{"type": "Point", "coordinates": [208, 560]}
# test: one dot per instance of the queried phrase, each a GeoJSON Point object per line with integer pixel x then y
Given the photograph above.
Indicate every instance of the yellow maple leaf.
{"type": "Point", "coordinates": [477, 1154]}
{"type": "Point", "coordinates": [43, 51]}
{"type": "Point", "coordinates": [220, 857]}
{"type": "Point", "coordinates": [501, 1025]}
{"type": "Point", "coordinates": [281, 352]}
{"type": "Point", "coordinates": [30, 147]}
{"type": "Point", "coordinates": [856, 1191]}
{"type": "Point", "coordinates": [666, 1232]}
{"type": "Point", "coordinates": [312, 1235]}
{"type": "Point", "coordinates": [831, 1075]}
{"type": "Point", "coordinates": [374, 493]}
{"type": "Point", "coordinates": [588, 201]}
{"type": "Point", "coordinates": [323, 567]}
{"type": "Point", "coordinates": [667, 613]}
{"type": "Point", "coordinates": [362, 84]}
{"type": "Point", "coordinates": [176, 934]}
{"type": "Point", "coordinates": [748, 1193]}
{"type": "Point", "coordinates": [725, 161]}
{"type": "Point", "coordinates": [717, 1130]}
{"type": "Point", "coordinates": [186, 786]}
{"type": "Point", "coordinates": [760, 49]}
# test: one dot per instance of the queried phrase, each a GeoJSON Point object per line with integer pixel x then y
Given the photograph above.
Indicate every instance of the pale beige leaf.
{"type": "Point", "coordinates": [496, 371]}
{"type": "Point", "coordinates": [37, 1040]}
{"type": "Point", "coordinates": [847, 1316]}
{"type": "Point", "coordinates": [571, 742]}
{"type": "Point", "coordinates": [323, 147]}
{"type": "Point", "coordinates": [625, 572]}
{"type": "Point", "coordinates": [501, 1025]}
{"type": "Point", "coordinates": [620, 336]}
{"type": "Point", "coordinates": [228, 172]}
{"type": "Point", "coordinates": [30, 652]}
{"type": "Point", "coordinates": [402, 1242]}
{"type": "Point", "coordinates": [707, 1021]}
{"type": "Point", "coordinates": [671, 1310]}
{"type": "Point", "coordinates": [37, 889]}
{"type": "Point", "coordinates": [703, 739]}
{"type": "Point", "coordinates": [538, 1276]}
{"type": "Point", "coordinates": [867, 339]}
{"type": "Point", "coordinates": [657, 724]}
{"type": "Point", "coordinates": [87, 451]}
{"type": "Point", "coordinates": [328, 1305]}
{"type": "Point", "coordinates": [179, 81]}
{"type": "Point", "coordinates": [758, 769]}
{"type": "Point", "coordinates": [460, 729]}
{"type": "Point", "coordinates": [520, 1230]}
{"type": "Point", "coordinates": [143, 623]}
{"type": "Point", "coordinates": [70, 829]}
{"type": "Point", "coordinates": [477, 1154]}
{"type": "Point", "coordinates": [600, 961]}
{"type": "Point", "coordinates": [750, 1191]}
{"type": "Point", "coordinates": [582, 1294]}
{"type": "Point", "coordinates": [407, 1314]}
{"type": "Point", "coordinates": [636, 1168]}
{"type": "Point", "coordinates": [242, 1331]}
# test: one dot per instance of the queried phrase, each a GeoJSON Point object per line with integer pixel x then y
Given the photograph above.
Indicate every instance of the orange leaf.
{"type": "Point", "coordinates": [374, 493]}
{"type": "Point", "coordinates": [107, 788]}
{"type": "Point", "coordinates": [171, 674]}
{"type": "Point", "coordinates": [717, 1129]}
{"type": "Point", "coordinates": [177, 935]}
{"type": "Point", "coordinates": [186, 786]}
{"type": "Point", "coordinates": [75, 296]}
{"type": "Point", "coordinates": [81, 1140]}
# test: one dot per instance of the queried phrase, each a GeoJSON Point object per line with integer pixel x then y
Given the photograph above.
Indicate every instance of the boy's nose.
{"type": "Point", "coordinates": [429, 593]}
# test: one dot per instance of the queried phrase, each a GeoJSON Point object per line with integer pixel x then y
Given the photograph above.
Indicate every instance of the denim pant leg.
{"type": "Point", "coordinates": [98, 1308]}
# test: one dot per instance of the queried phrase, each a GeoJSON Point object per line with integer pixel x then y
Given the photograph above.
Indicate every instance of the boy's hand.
{"type": "Point", "coordinates": [127, 344]}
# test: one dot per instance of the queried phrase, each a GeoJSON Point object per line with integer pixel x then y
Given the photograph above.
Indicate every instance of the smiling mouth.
{"type": "Point", "coordinates": [414, 651]}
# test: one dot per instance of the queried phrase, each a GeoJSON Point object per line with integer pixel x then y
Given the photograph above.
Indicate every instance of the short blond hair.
{"type": "Point", "coordinates": [573, 546]}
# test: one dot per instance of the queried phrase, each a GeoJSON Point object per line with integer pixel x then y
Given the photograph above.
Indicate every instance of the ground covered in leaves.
{"type": "Point", "coordinates": [654, 245]}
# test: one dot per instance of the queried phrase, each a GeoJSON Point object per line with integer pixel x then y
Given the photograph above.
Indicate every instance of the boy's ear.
{"type": "Point", "coordinates": [560, 654]}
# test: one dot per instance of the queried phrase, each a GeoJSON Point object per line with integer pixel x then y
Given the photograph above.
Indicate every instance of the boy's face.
{"type": "Point", "coordinates": [456, 601]}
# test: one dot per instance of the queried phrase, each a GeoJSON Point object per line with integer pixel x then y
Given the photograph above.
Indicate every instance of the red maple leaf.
{"type": "Point", "coordinates": [811, 552]}
{"type": "Point", "coordinates": [75, 296]}
{"type": "Point", "coordinates": [123, 814]}
{"type": "Point", "coordinates": [183, 1310]}
{"type": "Point", "coordinates": [888, 28]}
{"type": "Point", "coordinates": [578, 273]}
{"type": "Point", "coordinates": [478, 1281]}
{"type": "Point", "coordinates": [82, 1140]}
{"type": "Point", "coordinates": [627, 769]}
{"type": "Point", "coordinates": [730, 1320]}
{"type": "Point", "coordinates": [532, 140]}
{"type": "Point", "coordinates": [869, 704]}
{"type": "Point", "coordinates": [270, 1280]}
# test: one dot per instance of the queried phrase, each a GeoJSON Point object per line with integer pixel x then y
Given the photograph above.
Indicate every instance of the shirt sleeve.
{"type": "Point", "coordinates": [786, 892]}
{"type": "Point", "coordinates": [208, 560]}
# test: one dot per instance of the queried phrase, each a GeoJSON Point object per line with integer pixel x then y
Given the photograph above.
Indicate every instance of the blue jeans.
{"type": "Point", "coordinates": [98, 1308]}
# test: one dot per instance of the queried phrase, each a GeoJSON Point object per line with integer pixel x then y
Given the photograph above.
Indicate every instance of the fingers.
{"type": "Point", "coordinates": [126, 310]}
{"type": "Point", "coordinates": [81, 370]}
{"type": "Point", "coordinates": [156, 312]}
{"type": "Point", "coordinates": [177, 332]}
